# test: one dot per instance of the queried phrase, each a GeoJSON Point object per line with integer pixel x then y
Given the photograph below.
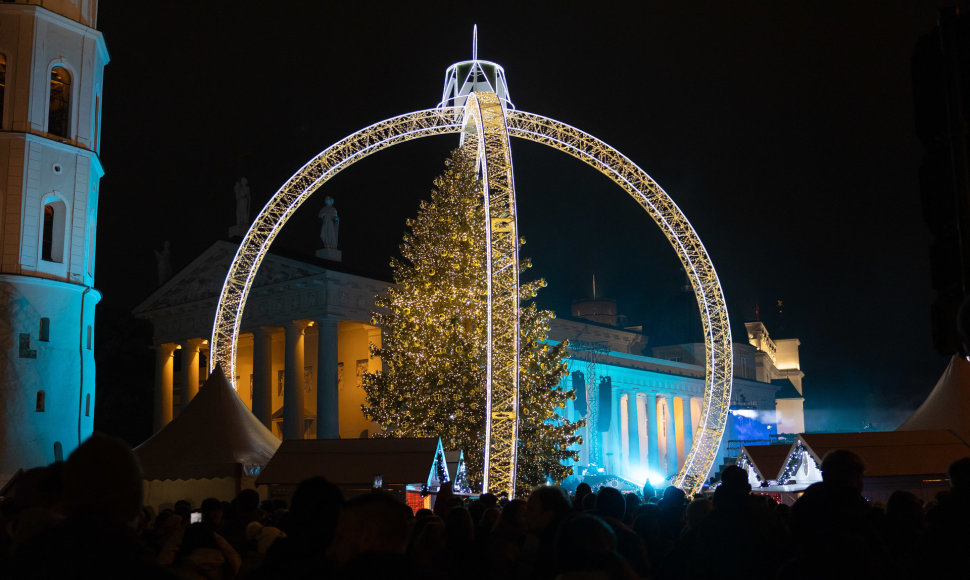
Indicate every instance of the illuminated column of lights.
{"type": "Point", "coordinates": [596, 153]}
{"type": "Point", "coordinates": [485, 120]}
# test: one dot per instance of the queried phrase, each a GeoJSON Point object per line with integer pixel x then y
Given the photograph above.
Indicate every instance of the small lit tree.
{"type": "Point", "coordinates": [434, 341]}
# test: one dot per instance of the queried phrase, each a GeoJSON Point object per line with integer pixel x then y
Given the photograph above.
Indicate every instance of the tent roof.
{"type": "Point", "coordinates": [768, 460]}
{"type": "Point", "coordinates": [893, 453]}
{"type": "Point", "coordinates": [453, 459]}
{"type": "Point", "coordinates": [352, 461]}
{"type": "Point", "coordinates": [210, 438]}
{"type": "Point", "coordinates": [948, 404]}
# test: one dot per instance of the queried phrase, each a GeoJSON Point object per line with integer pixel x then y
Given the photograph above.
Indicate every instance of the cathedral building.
{"type": "Point", "coordinates": [642, 404]}
{"type": "Point", "coordinates": [52, 62]}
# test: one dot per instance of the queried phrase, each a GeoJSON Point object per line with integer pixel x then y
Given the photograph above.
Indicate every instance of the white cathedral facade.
{"type": "Point", "coordinates": [303, 312]}
{"type": "Point", "coordinates": [51, 69]}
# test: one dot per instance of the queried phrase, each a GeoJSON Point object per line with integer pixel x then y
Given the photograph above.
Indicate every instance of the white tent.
{"type": "Point", "coordinates": [214, 448]}
{"type": "Point", "coordinates": [948, 404]}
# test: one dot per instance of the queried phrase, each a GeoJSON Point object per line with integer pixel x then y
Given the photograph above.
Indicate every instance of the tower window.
{"type": "Point", "coordinates": [59, 108]}
{"type": "Point", "coordinates": [52, 243]}
{"type": "Point", "coordinates": [3, 82]}
{"type": "Point", "coordinates": [87, 405]}
{"type": "Point", "coordinates": [58, 451]}
{"type": "Point", "coordinates": [41, 400]}
{"type": "Point", "coordinates": [89, 337]}
{"type": "Point", "coordinates": [25, 350]}
{"type": "Point", "coordinates": [48, 233]}
{"type": "Point", "coordinates": [45, 330]}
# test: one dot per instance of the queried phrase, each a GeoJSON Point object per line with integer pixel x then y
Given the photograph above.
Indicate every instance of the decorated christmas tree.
{"type": "Point", "coordinates": [434, 337]}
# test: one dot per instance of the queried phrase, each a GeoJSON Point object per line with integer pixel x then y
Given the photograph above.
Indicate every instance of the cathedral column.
{"type": "Point", "coordinates": [190, 371]}
{"type": "Point", "coordinates": [653, 434]}
{"type": "Point", "coordinates": [374, 338]}
{"type": "Point", "coordinates": [643, 433]}
{"type": "Point", "coordinates": [633, 457]}
{"type": "Point", "coordinates": [671, 437]}
{"type": "Point", "coordinates": [688, 428]}
{"type": "Point", "coordinates": [623, 429]}
{"type": "Point", "coordinates": [204, 367]}
{"type": "Point", "coordinates": [164, 366]}
{"type": "Point", "coordinates": [293, 424]}
{"type": "Point", "coordinates": [263, 374]}
{"type": "Point", "coordinates": [328, 400]}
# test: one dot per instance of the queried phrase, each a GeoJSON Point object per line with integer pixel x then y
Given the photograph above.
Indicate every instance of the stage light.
{"type": "Point", "coordinates": [645, 475]}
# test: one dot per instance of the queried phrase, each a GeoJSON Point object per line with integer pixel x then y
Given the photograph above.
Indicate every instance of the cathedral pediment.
{"type": "Point", "coordinates": [203, 278]}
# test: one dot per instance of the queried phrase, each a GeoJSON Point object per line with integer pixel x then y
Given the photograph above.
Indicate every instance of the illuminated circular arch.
{"type": "Point", "coordinates": [532, 127]}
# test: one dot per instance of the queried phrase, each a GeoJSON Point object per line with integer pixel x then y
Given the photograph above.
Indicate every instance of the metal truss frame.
{"type": "Point", "coordinates": [565, 138]}
{"type": "Point", "coordinates": [484, 112]}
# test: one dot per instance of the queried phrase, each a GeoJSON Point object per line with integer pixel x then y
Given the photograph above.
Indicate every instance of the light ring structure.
{"type": "Point", "coordinates": [583, 146]}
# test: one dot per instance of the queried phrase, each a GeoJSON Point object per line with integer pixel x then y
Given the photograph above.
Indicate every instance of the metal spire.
{"type": "Point", "coordinates": [475, 42]}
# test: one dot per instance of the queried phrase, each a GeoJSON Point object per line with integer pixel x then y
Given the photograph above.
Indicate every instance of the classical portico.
{"type": "Point", "coordinates": [649, 407]}
{"type": "Point", "coordinates": [300, 315]}
{"type": "Point", "coordinates": [654, 412]}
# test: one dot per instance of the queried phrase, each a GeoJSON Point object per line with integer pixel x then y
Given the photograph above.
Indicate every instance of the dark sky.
{"type": "Point", "coordinates": [784, 133]}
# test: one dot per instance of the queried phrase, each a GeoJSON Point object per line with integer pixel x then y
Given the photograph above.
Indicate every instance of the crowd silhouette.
{"type": "Point", "coordinates": [84, 518]}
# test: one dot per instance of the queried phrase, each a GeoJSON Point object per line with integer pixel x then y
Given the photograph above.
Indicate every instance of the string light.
{"type": "Point", "coordinates": [434, 342]}
{"type": "Point", "coordinates": [794, 462]}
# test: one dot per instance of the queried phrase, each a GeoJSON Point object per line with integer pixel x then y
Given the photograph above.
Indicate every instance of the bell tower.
{"type": "Point", "coordinates": [51, 76]}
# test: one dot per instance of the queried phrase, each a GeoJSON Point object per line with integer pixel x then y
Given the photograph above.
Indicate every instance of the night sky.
{"type": "Point", "coordinates": [785, 135]}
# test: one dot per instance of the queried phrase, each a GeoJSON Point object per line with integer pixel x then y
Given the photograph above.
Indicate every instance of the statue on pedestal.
{"type": "Point", "coordinates": [242, 202]}
{"type": "Point", "coordinates": [164, 262]}
{"type": "Point", "coordinates": [329, 228]}
{"type": "Point", "coordinates": [331, 224]}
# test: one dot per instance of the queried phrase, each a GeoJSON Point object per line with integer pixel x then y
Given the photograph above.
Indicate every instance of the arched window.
{"type": "Point", "coordinates": [59, 109]}
{"type": "Point", "coordinates": [58, 451]}
{"type": "Point", "coordinates": [48, 242]}
{"type": "Point", "coordinates": [52, 242]}
{"type": "Point", "coordinates": [40, 401]}
{"type": "Point", "coordinates": [3, 82]}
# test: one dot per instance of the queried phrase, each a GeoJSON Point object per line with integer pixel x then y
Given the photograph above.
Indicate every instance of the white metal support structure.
{"type": "Point", "coordinates": [485, 118]}
{"type": "Point", "coordinates": [495, 124]}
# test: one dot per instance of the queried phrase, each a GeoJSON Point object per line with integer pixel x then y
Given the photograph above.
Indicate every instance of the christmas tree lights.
{"type": "Point", "coordinates": [435, 338]}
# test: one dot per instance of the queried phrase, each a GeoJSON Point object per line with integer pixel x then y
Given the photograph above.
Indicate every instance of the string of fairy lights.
{"type": "Point", "coordinates": [433, 350]}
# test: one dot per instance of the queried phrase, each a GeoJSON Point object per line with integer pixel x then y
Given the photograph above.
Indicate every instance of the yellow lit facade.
{"type": "Point", "coordinates": [298, 311]}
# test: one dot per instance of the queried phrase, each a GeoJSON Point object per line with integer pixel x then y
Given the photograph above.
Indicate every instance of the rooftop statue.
{"type": "Point", "coordinates": [331, 224]}
{"type": "Point", "coordinates": [242, 202]}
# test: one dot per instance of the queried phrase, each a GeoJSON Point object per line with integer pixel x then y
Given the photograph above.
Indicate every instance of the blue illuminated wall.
{"type": "Point", "coordinates": [50, 173]}
{"type": "Point", "coordinates": [627, 453]}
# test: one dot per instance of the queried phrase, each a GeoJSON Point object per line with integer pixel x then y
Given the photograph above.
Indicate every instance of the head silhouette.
{"type": "Point", "coordinates": [843, 468]}
{"type": "Point", "coordinates": [102, 479]}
